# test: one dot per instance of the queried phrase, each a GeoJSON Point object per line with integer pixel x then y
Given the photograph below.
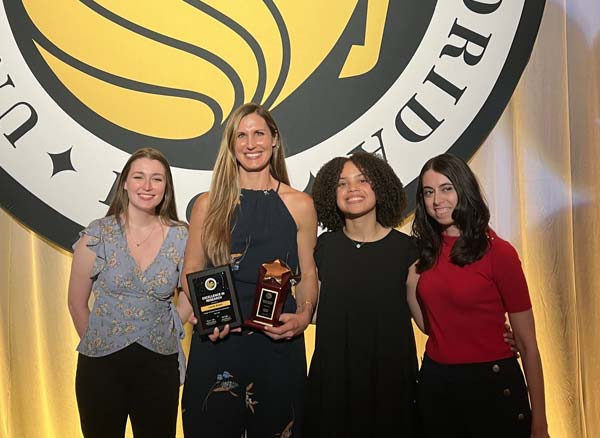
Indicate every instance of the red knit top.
{"type": "Point", "coordinates": [465, 306]}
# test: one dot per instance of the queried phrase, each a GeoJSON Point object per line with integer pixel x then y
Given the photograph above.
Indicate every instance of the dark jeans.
{"type": "Point", "coordinates": [473, 400]}
{"type": "Point", "coordinates": [134, 381]}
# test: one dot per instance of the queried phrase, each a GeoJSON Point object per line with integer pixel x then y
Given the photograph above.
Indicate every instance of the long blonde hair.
{"type": "Point", "coordinates": [225, 189]}
{"type": "Point", "coordinates": [166, 210]}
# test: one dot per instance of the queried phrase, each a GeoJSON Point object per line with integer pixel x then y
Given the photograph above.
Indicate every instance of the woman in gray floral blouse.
{"type": "Point", "coordinates": [130, 358]}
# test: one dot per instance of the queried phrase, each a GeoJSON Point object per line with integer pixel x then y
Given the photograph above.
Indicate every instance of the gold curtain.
{"type": "Point", "coordinates": [540, 170]}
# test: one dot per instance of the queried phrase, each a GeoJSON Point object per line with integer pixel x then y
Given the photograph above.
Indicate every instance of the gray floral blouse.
{"type": "Point", "coordinates": [131, 305]}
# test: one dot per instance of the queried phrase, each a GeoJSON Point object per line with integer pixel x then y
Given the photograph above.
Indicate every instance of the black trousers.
{"type": "Point", "coordinates": [473, 400]}
{"type": "Point", "coordinates": [134, 382]}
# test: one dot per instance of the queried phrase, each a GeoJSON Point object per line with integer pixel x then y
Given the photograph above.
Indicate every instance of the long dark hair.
{"type": "Point", "coordinates": [471, 215]}
{"type": "Point", "coordinates": [388, 189]}
{"type": "Point", "coordinates": [166, 210]}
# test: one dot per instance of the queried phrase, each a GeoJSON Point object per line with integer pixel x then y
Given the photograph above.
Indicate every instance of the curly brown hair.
{"type": "Point", "coordinates": [389, 191]}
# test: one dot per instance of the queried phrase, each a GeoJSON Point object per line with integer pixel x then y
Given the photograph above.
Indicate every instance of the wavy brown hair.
{"type": "Point", "coordinates": [471, 215]}
{"type": "Point", "coordinates": [389, 192]}
{"type": "Point", "coordinates": [166, 210]}
{"type": "Point", "coordinates": [224, 193]}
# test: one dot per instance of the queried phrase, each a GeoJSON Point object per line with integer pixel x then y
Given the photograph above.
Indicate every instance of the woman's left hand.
{"type": "Point", "coordinates": [293, 325]}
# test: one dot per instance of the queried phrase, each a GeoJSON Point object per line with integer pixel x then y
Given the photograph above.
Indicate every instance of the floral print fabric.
{"type": "Point", "coordinates": [131, 305]}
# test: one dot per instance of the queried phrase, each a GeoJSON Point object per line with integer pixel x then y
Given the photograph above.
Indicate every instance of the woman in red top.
{"type": "Point", "coordinates": [470, 383]}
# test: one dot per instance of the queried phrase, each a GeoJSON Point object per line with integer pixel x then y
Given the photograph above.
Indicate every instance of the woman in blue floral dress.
{"type": "Point", "coordinates": [248, 383]}
{"type": "Point", "coordinates": [130, 359]}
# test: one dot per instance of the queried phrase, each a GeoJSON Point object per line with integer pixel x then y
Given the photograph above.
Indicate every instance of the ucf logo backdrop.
{"type": "Point", "coordinates": [85, 83]}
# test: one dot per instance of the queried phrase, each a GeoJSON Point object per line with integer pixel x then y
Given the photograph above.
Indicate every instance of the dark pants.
{"type": "Point", "coordinates": [134, 381]}
{"type": "Point", "coordinates": [473, 400]}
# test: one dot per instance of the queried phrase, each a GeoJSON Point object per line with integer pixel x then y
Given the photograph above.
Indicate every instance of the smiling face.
{"type": "Point", "coordinates": [354, 196]}
{"type": "Point", "coordinates": [145, 184]}
{"type": "Point", "coordinates": [254, 143]}
{"type": "Point", "coordinates": [440, 199]}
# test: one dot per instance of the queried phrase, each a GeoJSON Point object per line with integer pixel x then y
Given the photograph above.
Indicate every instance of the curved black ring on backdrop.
{"type": "Point", "coordinates": [48, 222]}
{"type": "Point", "coordinates": [322, 96]}
{"type": "Point", "coordinates": [286, 53]}
{"type": "Point", "coordinates": [261, 64]}
{"type": "Point", "coordinates": [339, 102]}
{"type": "Point", "coordinates": [199, 52]}
{"type": "Point", "coordinates": [516, 61]}
{"type": "Point", "coordinates": [37, 215]}
{"type": "Point", "coordinates": [125, 83]}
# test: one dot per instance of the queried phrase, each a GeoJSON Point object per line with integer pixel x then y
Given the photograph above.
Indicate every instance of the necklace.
{"type": "Point", "coordinates": [270, 188]}
{"type": "Point", "coordinates": [356, 243]}
{"type": "Point", "coordinates": [137, 244]}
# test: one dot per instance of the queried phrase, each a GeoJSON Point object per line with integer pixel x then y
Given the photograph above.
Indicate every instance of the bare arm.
{"type": "Point", "coordinates": [184, 308]}
{"type": "Point", "coordinates": [80, 285]}
{"type": "Point", "coordinates": [524, 332]}
{"type": "Point", "coordinates": [411, 296]}
{"type": "Point", "coordinates": [193, 258]}
{"type": "Point", "coordinates": [302, 208]}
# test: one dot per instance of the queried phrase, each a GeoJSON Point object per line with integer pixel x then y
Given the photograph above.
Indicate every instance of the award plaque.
{"type": "Point", "coordinates": [214, 299]}
{"type": "Point", "coordinates": [274, 282]}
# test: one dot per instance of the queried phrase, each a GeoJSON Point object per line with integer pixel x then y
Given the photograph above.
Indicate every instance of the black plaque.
{"type": "Point", "coordinates": [214, 299]}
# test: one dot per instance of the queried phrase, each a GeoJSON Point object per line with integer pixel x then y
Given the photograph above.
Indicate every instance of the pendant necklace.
{"type": "Point", "coordinates": [137, 244]}
{"type": "Point", "coordinates": [357, 244]}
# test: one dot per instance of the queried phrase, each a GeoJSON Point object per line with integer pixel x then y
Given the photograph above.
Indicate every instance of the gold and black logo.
{"type": "Point", "coordinates": [210, 284]}
{"type": "Point", "coordinates": [85, 83]}
{"type": "Point", "coordinates": [168, 74]}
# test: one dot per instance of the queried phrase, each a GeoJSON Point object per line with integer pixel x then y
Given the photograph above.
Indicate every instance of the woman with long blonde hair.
{"type": "Point", "coordinates": [244, 382]}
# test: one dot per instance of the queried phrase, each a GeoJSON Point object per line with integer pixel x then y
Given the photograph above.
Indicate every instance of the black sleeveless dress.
{"type": "Point", "coordinates": [363, 372]}
{"type": "Point", "coordinates": [248, 385]}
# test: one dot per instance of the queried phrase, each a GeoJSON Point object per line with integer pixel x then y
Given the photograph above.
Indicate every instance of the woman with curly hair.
{"type": "Point", "coordinates": [470, 381]}
{"type": "Point", "coordinates": [363, 371]}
